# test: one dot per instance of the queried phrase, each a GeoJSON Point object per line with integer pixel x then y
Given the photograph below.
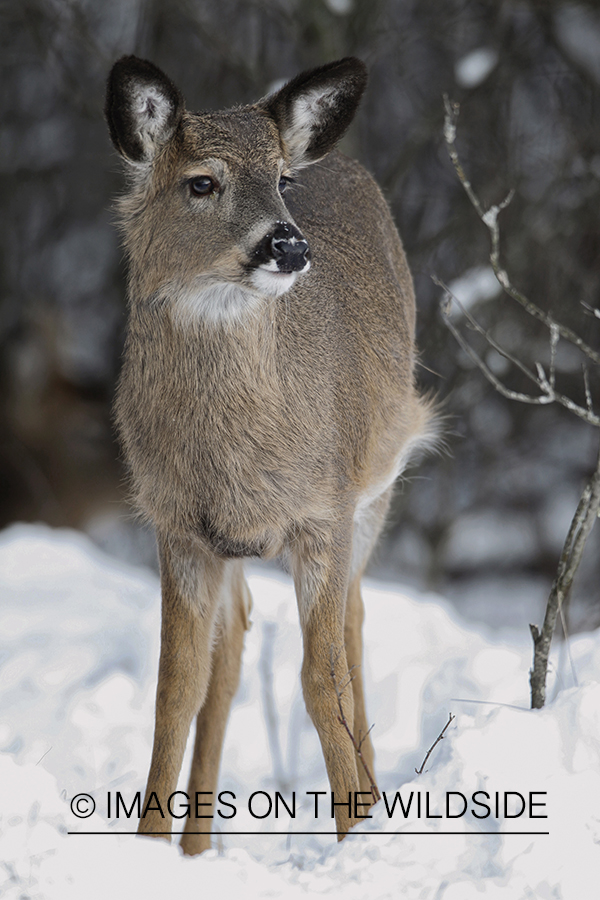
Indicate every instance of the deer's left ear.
{"type": "Point", "coordinates": [314, 110]}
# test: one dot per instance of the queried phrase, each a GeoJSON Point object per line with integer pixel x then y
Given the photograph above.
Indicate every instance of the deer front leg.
{"type": "Point", "coordinates": [321, 576]}
{"type": "Point", "coordinates": [212, 718]}
{"type": "Point", "coordinates": [191, 590]}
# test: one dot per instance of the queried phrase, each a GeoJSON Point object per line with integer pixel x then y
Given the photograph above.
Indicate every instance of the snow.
{"type": "Point", "coordinates": [473, 68]}
{"type": "Point", "coordinates": [491, 538]}
{"type": "Point", "coordinates": [340, 7]}
{"type": "Point", "coordinates": [78, 662]}
{"type": "Point", "coordinates": [475, 285]}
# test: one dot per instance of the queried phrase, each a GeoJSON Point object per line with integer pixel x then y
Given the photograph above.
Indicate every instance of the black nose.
{"type": "Point", "coordinates": [288, 248]}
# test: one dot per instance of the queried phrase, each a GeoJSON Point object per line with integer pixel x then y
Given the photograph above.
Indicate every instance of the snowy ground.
{"type": "Point", "coordinates": [78, 654]}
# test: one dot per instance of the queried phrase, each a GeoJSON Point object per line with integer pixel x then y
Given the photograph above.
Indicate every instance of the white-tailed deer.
{"type": "Point", "coordinates": [267, 399]}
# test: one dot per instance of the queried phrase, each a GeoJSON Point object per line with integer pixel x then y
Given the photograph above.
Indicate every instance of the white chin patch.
{"type": "Point", "coordinates": [272, 283]}
{"type": "Point", "coordinates": [221, 303]}
{"type": "Point", "coordinates": [226, 303]}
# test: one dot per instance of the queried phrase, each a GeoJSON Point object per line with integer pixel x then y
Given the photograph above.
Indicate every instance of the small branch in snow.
{"type": "Point", "coordinates": [488, 703]}
{"type": "Point", "coordinates": [44, 755]}
{"type": "Point", "coordinates": [339, 691]}
{"type": "Point", "coordinates": [583, 520]}
{"type": "Point", "coordinates": [439, 738]}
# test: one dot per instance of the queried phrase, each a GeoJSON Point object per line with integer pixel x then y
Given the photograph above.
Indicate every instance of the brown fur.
{"type": "Point", "coordinates": [263, 435]}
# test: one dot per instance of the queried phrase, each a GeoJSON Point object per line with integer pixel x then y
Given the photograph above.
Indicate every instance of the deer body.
{"type": "Point", "coordinates": [267, 400]}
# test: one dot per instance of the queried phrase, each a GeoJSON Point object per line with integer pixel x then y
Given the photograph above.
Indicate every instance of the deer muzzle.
{"type": "Point", "coordinates": [284, 249]}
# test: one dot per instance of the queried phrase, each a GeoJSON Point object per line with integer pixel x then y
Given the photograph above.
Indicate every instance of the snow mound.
{"type": "Point", "coordinates": [509, 800]}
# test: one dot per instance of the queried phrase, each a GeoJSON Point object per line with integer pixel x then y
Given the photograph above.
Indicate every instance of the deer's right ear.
{"type": "Point", "coordinates": [143, 108]}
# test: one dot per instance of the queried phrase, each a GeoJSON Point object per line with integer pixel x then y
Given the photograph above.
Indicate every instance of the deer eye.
{"type": "Point", "coordinates": [203, 185]}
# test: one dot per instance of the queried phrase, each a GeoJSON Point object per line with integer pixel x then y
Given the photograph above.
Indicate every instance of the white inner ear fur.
{"type": "Point", "coordinates": [151, 109]}
{"type": "Point", "coordinates": [308, 110]}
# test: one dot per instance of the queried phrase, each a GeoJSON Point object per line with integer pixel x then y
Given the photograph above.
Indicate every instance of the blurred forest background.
{"type": "Point", "coordinates": [485, 521]}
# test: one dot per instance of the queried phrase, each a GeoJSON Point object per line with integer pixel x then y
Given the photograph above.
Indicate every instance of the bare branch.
{"type": "Point", "coordinates": [490, 220]}
{"type": "Point", "coordinates": [554, 339]}
{"type": "Point", "coordinates": [586, 384]}
{"type": "Point", "coordinates": [548, 395]}
{"type": "Point", "coordinates": [583, 521]}
{"type": "Point", "coordinates": [590, 309]}
{"type": "Point", "coordinates": [375, 793]}
{"type": "Point", "coordinates": [450, 120]}
{"type": "Point", "coordinates": [365, 735]}
{"type": "Point", "coordinates": [439, 738]}
{"type": "Point", "coordinates": [446, 307]}
{"type": "Point", "coordinates": [588, 508]}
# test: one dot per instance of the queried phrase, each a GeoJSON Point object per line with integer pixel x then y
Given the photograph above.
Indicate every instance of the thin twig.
{"type": "Point", "coordinates": [554, 339]}
{"type": "Point", "coordinates": [365, 735]}
{"type": "Point", "coordinates": [446, 307]}
{"type": "Point", "coordinates": [44, 755]}
{"type": "Point", "coordinates": [586, 384]}
{"type": "Point", "coordinates": [548, 395]}
{"type": "Point", "coordinates": [489, 703]}
{"type": "Point", "coordinates": [375, 793]}
{"type": "Point", "coordinates": [490, 220]}
{"type": "Point", "coordinates": [583, 521]}
{"type": "Point", "coordinates": [591, 311]}
{"type": "Point", "coordinates": [439, 738]}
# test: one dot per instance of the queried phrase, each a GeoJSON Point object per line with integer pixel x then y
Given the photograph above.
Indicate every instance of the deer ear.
{"type": "Point", "coordinates": [314, 110]}
{"type": "Point", "coordinates": [143, 108]}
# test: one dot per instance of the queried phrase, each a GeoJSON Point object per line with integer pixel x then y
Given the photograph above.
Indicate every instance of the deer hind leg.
{"type": "Point", "coordinates": [320, 565]}
{"type": "Point", "coordinates": [367, 527]}
{"type": "Point", "coordinates": [191, 582]}
{"type": "Point", "coordinates": [212, 718]}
